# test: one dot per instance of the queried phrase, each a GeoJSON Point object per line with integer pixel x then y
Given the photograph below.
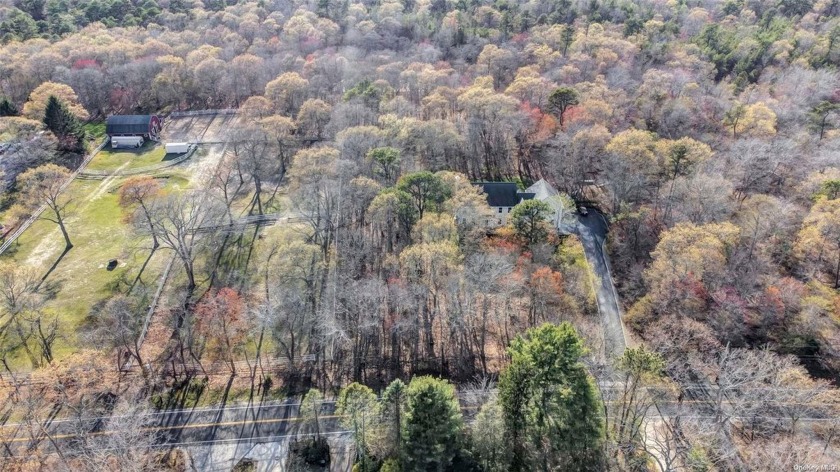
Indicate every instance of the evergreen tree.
{"type": "Point", "coordinates": [7, 108]}
{"type": "Point", "coordinates": [819, 117]}
{"type": "Point", "coordinates": [64, 125]}
{"type": "Point", "coordinates": [560, 100]}
{"type": "Point", "coordinates": [529, 220]}
{"type": "Point", "coordinates": [433, 425]}
{"type": "Point", "coordinates": [393, 417]}
{"type": "Point", "coordinates": [550, 406]}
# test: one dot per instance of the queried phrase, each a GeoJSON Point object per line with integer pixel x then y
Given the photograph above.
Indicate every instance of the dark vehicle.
{"type": "Point", "coordinates": [112, 264]}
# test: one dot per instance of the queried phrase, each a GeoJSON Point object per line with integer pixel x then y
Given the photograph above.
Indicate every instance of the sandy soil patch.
{"type": "Point", "coordinates": [49, 248]}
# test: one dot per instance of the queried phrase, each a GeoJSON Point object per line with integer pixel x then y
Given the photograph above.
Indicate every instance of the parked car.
{"type": "Point", "coordinates": [583, 211]}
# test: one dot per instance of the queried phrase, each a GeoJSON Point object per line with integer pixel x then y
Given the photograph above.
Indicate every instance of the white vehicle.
{"type": "Point", "coordinates": [177, 148]}
{"type": "Point", "coordinates": [126, 141]}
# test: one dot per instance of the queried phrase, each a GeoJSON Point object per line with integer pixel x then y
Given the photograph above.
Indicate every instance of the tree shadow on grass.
{"type": "Point", "coordinates": [55, 264]}
{"type": "Point", "coordinates": [142, 269]}
{"type": "Point", "coordinates": [50, 289]}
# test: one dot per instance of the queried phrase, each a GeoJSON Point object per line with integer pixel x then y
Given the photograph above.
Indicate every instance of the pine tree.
{"type": "Point", "coordinates": [433, 425]}
{"type": "Point", "coordinates": [7, 108]}
{"type": "Point", "coordinates": [550, 406]}
{"type": "Point", "coordinates": [393, 416]}
{"type": "Point", "coordinates": [64, 125]}
{"type": "Point", "coordinates": [560, 100]}
{"type": "Point", "coordinates": [529, 220]}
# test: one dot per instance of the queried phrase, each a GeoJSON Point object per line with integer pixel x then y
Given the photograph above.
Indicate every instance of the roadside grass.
{"type": "Point", "coordinates": [80, 282]}
{"type": "Point", "coordinates": [571, 256]}
{"type": "Point", "coordinates": [110, 159]}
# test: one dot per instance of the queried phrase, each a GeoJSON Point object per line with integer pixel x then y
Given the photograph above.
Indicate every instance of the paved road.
{"type": "Point", "coordinates": [592, 230]}
{"type": "Point", "coordinates": [195, 426]}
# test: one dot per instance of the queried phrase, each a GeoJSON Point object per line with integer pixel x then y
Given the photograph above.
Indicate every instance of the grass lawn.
{"type": "Point", "coordinates": [95, 130]}
{"type": "Point", "coordinates": [80, 281]}
{"type": "Point", "coordinates": [149, 154]}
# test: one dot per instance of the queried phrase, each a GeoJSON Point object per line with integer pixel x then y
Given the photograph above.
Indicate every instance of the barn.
{"type": "Point", "coordinates": [147, 126]}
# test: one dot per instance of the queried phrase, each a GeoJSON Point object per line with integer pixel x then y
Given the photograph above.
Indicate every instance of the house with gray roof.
{"type": "Point", "coordinates": [503, 196]}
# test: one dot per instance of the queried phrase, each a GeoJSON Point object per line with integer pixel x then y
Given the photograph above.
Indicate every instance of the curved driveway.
{"type": "Point", "coordinates": [592, 230]}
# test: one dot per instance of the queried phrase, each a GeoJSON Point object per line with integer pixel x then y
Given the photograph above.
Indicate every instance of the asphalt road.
{"type": "Point", "coordinates": [192, 426]}
{"type": "Point", "coordinates": [592, 230]}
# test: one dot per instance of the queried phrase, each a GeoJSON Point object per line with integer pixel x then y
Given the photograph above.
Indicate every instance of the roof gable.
{"type": "Point", "coordinates": [502, 194]}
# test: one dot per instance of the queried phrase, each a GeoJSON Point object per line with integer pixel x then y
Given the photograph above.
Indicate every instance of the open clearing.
{"type": "Point", "coordinates": [79, 282]}
{"type": "Point", "coordinates": [149, 154]}
{"type": "Point", "coordinates": [198, 129]}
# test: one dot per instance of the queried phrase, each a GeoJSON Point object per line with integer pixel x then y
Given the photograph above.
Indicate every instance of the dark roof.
{"type": "Point", "coordinates": [128, 124]}
{"type": "Point", "coordinates": [503, 194]}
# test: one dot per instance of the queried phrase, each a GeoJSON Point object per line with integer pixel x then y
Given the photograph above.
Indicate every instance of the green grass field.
{"type": "Point", "coordinates": [80, 282]}
{"type": "Point", "coordinates": [95, 130]}
{"type": "Point", "coordinates": [111, 159]}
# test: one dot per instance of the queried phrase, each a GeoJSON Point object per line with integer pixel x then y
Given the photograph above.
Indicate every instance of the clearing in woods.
{"type": "Point", "coordinates": [78, 283]}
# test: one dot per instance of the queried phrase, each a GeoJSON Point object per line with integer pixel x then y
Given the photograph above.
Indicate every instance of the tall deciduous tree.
{"type": "Point", "coordinates": [44, 185]}
{"type": "Point", "coordinates": [220, 319]}
{"type": "Point", "coordinates": [818, 242]}
{"type": "Point", "coordinates": [140, 192]}
{"type": "Point", "coordinates": [185, 224]}
{"type": "Point", "coordinates": [313, 118]}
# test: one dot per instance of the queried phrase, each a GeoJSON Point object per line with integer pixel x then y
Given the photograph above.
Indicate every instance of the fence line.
{"type": "Point", "coordinates": [37, 213]}
{"type": "Point", "coordinates": [224, 111]}
{"type": "Point", "coordinates": [155, 300]}
{"type": "Point", "coordinates": [101, 174]}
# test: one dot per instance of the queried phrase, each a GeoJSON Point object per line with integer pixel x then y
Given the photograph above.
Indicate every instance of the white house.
{"type": "Point", "coordinates": [503, 196]}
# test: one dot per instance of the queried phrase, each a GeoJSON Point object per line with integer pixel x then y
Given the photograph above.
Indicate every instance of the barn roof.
{"type": "Point", "coordinates": [502, 194]}
{"type": "Point", "coordinates": [128, 124]}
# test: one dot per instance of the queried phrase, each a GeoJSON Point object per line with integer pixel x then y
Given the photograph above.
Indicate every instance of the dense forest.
{"type": "Point", "coordinates": [706, 132]}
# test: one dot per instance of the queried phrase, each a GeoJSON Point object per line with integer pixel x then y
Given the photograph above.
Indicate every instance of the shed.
{"type": "Point", "coordinates": [133, 125]}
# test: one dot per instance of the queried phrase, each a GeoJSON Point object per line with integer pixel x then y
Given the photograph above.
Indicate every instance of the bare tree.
{"type": "Point", "coordinates": [44, 185]}
{"type": "Point", "coordinates": [124, 442]}
{"type": "Point", "coordinates": [185, 223]}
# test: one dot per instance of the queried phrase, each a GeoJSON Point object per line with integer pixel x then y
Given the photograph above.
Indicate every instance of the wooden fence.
{"type": "Point", "coordinates": [224, 111]}
{"type": "Point", "coordinates": [101, 174]}
{"type": "Point", "coordinates": [37, 213]}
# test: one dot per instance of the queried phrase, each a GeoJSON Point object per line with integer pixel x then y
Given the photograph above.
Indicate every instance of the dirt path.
{"type": "Point", "coordinates": [105, 185]}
